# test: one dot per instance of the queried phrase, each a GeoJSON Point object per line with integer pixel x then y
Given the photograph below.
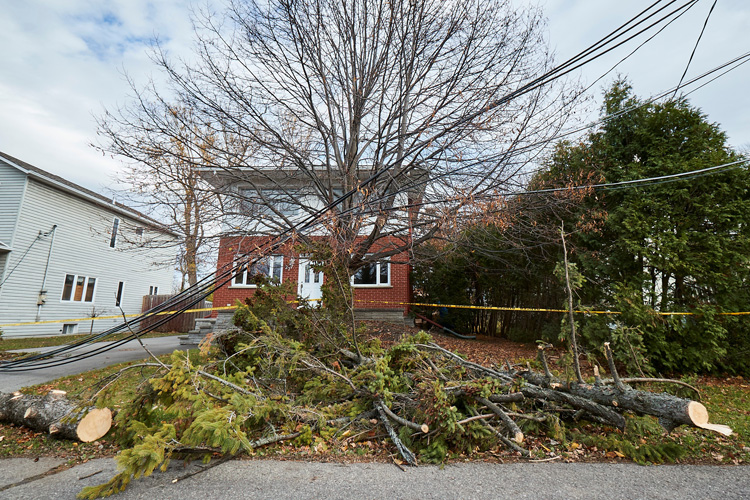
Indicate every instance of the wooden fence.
{"type": "Point", "coordinates": [181, 323]}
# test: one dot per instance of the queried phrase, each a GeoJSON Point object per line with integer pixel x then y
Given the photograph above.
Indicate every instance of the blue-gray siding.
{"type": "Point", "coordinates": [81, 247]}
{"type": "Point", "coordinates": [12, 183]}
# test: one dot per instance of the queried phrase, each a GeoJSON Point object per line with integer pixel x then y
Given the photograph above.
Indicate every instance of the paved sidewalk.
{"type": "Point", "coordinates": [251, 479]}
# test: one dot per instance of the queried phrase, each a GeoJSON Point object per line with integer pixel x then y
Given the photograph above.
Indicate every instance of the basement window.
{"type": "Point", "coordinates": [70, 328]}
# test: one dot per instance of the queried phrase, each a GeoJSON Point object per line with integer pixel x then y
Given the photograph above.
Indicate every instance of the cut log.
{"type": "Point", "coordinates": [699, 416]}
{"type": "Point", "coordinates": [55, 414]}
{"type": "Point", "coordinates": [512, 426]}
{"type": "Point", "coordinates": [672, 411]}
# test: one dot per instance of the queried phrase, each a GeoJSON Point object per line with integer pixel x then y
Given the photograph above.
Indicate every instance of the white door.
{"type": "Point", "coordinates": [310, 282]}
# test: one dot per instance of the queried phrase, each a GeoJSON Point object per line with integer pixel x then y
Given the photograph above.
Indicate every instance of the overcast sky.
{"type": "Point", "coordinates": [62, 63]}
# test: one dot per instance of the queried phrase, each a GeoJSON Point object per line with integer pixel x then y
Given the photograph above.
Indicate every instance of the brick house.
{"type": "Point", "coordinates": [382, 289]}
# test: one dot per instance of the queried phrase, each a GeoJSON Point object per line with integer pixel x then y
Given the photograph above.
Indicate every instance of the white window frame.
{"type": "Point", "coordinates": [115, 229]}
{"type": "Point", "coordinates": [84, 293]}
{"type": "Point", "coordinates": [245, 279]}
{"type": "Point", "coordinates": [119, 293]}
{"type": "Point", "coordinates": [378, 284]}
{"type": "Point", "coordinates": [69, 329]}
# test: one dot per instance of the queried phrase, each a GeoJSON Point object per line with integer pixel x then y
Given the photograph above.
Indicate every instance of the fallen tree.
{"type": "Point", "coordinates": [56, 414]}
{"type": "Point", "coordinates": [298, 379]}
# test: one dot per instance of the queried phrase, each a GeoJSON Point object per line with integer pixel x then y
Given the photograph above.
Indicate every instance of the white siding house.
{"type": "Point", "coordinates": [68, 253]}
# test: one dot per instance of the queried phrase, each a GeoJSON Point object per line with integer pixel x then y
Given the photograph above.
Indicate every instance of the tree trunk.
{"type": "Point", "coordinates": [671, 411]}
{"type": "Point", "coordinates": [56, 414]}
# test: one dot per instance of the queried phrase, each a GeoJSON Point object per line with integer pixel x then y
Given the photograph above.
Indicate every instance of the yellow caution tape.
{"type": "Point", "coordinates": [486, 308]}
{"type": "Point", "coordinates": [115, 316]}
{"type": "Point", "coordinates": [449, 306]}
{"type": "Point", "coordinates": [531, 309]}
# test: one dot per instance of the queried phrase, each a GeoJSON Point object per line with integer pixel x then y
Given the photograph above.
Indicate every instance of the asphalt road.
{"type": "Point", "coordinates": [328, 481]}
{"type": "Point", "coordinates": [130, 351]}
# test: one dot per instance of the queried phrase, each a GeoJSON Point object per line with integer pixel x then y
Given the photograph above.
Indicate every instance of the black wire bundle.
{"type": "Point", "coordinates": [644, 21]}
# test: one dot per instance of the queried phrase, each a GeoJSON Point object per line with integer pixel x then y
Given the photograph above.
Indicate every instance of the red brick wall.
{"type": "Point", "coordinates": [380, 297]}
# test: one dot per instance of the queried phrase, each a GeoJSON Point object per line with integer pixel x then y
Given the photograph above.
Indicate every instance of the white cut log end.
{"type": "Point", "coordinates": [698, 413]}
{"type": "Point", "coordinates": [518, 437]}
{"type": "Point", "coordinates": [699, 416]}
{"type": "Point", "coordinates": [425, 428]}
{"type": "Point", "coordinates": [94, 425]}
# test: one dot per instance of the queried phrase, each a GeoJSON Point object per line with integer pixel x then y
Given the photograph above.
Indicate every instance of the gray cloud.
{"type": "Point", "coordinates": [63, 62]}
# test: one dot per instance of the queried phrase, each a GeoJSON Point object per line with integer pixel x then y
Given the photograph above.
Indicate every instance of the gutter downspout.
{"type": "Point", "coordinates": [43, 292]}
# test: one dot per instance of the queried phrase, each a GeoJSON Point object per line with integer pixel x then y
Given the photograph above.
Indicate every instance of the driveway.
{"type": "Point", "coordinates": [130, 351]}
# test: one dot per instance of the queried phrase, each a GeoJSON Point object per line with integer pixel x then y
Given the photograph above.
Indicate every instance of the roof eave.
{"type": "Point", "coordinates": [109, 204]}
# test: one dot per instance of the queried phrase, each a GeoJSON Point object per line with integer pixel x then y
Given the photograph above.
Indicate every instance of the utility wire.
{"type": "Point", "coordinates": [739, 60]}
{"type": "Point", "coordinates": [28, 249]}
{"type": "Point", "coordinates": [635, 183]}
{"type": "Point", "coordinates": [204, 288]}
{"type": "Point", "coordinates": [705, 23]}
{"type": "Point", "coordinates": [43, 361]}
{"type": "Point", "coordinates": [639, 47]}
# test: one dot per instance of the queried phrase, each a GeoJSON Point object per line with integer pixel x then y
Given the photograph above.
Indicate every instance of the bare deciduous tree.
{"type": "Point", "coordinates": [302, 101]}
{"type": "Point", "coordinates": [161, 178]}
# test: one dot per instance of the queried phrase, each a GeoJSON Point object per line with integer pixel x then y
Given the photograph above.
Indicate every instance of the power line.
{"type": "Point", "coordinates": [28, 249]}
{"type": "Point", "coordinates": [640, 46]}
{"type": "Point", "coordinates": [40, 363]}
{"type": "Point", "coordinates": [695, 47]}
{"type": "Point", "coordinates": [739, 60]}
{"type": "Point", "coordinates": [205, 286]}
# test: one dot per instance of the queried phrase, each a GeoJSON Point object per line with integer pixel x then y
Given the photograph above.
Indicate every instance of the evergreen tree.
{"type": "Point", "coordinates": [670, 245]}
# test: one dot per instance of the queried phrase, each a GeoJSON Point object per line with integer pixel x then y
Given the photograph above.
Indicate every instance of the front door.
{"type": "Point", "coordinates": [310, 281]}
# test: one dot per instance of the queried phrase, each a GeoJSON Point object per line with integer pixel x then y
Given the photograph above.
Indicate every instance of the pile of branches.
{"type": "Point", "coordinates": [308, 382]}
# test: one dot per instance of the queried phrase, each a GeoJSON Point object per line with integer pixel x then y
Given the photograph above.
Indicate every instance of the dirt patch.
{"type": "Point", "coordinates": [7, 356]}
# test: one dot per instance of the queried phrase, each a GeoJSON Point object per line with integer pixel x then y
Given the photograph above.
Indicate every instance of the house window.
{"type": "Point", "coordinates": [257, 204]}
{"type": "Point", "coordinates": [70, 328]}
{"type": "Point", "coordinates": [373, 274]}
{"type": "Point", "coordinates": [113, 238]}
{"type": "Point", "coordinates": [78, 288]}
{"type": "Point", "coordinates": [118, 296]}
{"type": "Point", "coordinates": [271, 267]}
{"type": "Point", "coordinates": [153, 290]}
